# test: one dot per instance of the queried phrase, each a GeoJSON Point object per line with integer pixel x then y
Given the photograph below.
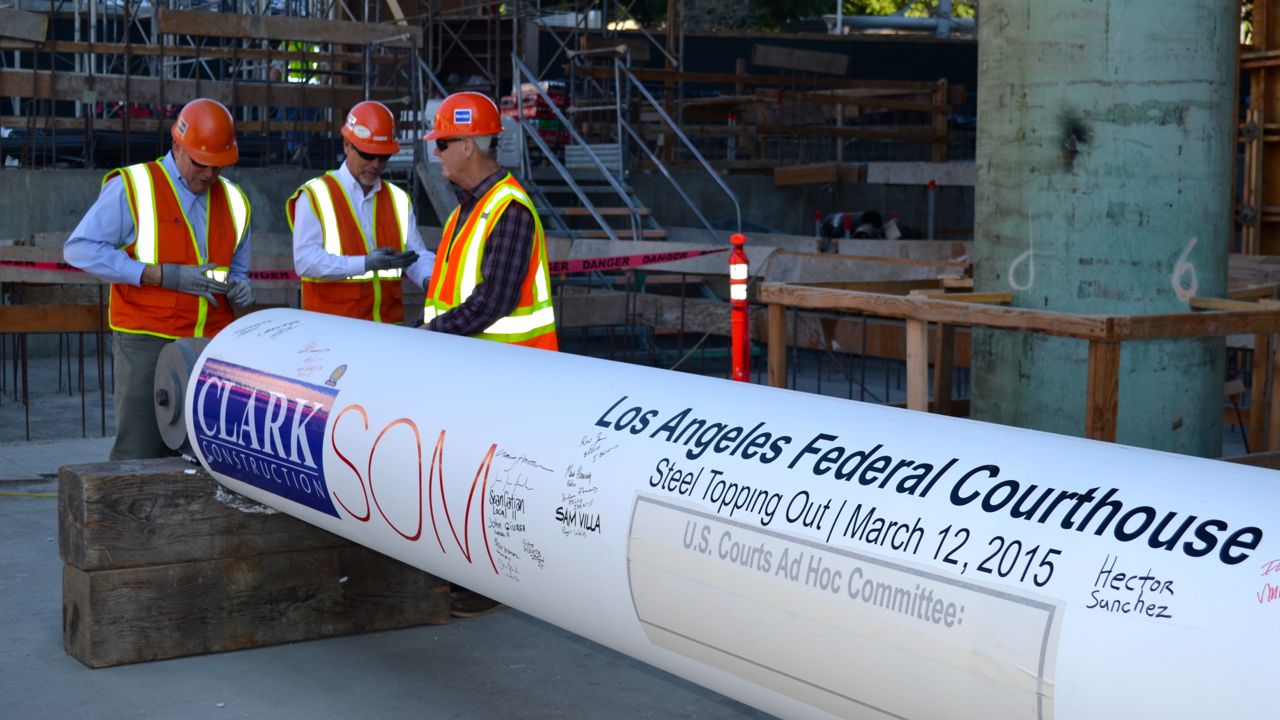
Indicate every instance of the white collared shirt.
{"type": "Point", "coordinates": [310, 258]}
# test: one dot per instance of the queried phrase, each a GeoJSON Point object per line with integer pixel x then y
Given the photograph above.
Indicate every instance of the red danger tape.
{"type": "Point", "coordinates": [623, 262]}
{"type": "Point", "coordinates": [32, 264]}
{"type": "Point", "coordinates": [64, 267]}
{"type": "Point", "coordinates": [559, 267]}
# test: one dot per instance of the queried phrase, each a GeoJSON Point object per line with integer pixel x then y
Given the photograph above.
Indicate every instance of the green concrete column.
{"type": "Point", "coordinates": [1104, 160]}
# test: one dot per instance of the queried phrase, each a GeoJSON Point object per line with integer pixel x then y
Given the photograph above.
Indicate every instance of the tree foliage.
{"type": "Point", "coordinates": [914, 8]}
{"type": "Point", "coordinates": [773, 14]}
{"type": "Point", "coordinates": [776, 13]}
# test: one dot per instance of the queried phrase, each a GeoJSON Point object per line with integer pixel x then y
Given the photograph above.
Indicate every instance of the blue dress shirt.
{"type": "Point", "coordinates": [95, 246]}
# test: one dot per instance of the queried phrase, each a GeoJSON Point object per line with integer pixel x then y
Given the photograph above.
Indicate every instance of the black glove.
{"type": "Point", "coordinates": [385, 258]}
{"type": "Point", "coordinates": [191, 279]}
{"type": "Point", "coordinates": [240, 293]}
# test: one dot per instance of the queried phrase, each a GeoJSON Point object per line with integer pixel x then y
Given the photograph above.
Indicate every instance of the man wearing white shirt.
{"type": "Point", "coordinates": [355, 235]}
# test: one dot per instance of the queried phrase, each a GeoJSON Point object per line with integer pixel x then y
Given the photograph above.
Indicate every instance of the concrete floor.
{"type": "Point", "coordinates": [504, 665]}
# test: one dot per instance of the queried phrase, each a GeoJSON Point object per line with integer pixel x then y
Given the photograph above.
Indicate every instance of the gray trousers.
{"type": "Point", "coordinates": [134, 359]}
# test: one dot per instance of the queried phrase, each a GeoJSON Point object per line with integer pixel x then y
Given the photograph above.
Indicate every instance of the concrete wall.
{"type": "Point", "coordinates": [37, 201]}
{"type": "Point", "coordinates": [790, 209]}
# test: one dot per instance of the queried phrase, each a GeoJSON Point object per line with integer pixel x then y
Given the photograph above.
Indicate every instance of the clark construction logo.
{"type": "Point", "coordinates": [265, 430]}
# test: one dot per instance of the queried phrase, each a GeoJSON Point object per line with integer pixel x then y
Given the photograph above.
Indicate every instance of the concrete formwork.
{"type": "Point", "coordinates": [1104, 156]}
{"type": "Point", "coordinates": [37, 201]}
{"type": "Point", "coordinates": [790, 209]}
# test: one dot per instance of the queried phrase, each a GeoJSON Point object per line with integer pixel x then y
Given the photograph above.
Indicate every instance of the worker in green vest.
{"type": "Point", "coordinates": [297, 69]}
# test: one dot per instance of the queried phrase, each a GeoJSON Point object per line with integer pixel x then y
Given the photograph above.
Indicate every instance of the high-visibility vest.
{"type": "Point", "coordinates": [302, 71]}
{"type": "Point", "coordinates": [164, 235]}
{"type": "Point", "coordinates": [458, 264]}
{"type": "Point", "coordinates": [375, 295]}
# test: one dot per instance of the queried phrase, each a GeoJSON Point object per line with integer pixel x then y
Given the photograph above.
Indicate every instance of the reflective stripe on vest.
{"type": "Point", "coordinates": [153, 198]}
{"type": "Point", "coordinates": [301, 71]}
{"type": "Point", "coordinates": [146, 242]}
{"type": "Point", "coordinates": [522, 322]}
{"type": "Point", "coordinates": [239, 205]}
{"type": "Point", "coordinates": [147, 239]}
{"type": "Point", "coordinates": [333, 239]}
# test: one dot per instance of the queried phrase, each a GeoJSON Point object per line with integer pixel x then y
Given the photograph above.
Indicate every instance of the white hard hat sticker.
{"type": "Point", "coordinates": [359, 130]}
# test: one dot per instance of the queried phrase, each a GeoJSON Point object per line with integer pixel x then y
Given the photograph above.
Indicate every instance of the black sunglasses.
{"type": "Point", "coordinates": [442, 144]}
{"type": "Point", "coordinates": [202, 166]}
{"type": "Point", "coordinates": [369, 157]}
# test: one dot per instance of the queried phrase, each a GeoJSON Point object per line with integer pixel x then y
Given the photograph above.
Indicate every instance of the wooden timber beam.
{"type": "Point", "coordinates": [935, 310]}
{"type": "Point", "coordinates": [146, 90]}
{"type": "Point", "coordinates": [187, 51]}
{"type": "Point", "coordinates": [867, 101]}
{"type": "Point", "coordinates": [907, 133]}
{"type": "Point", "coordinates": [1261, 319]}
{"type": "Point", "coordinates": [268, 27]}
{"type": "Point", "coordinates": [653, 75]}
{"type": "Point", "coordinates": [52, 318]}
{"type": "Point", "coordinates": [874, 337]}
{"type": "Point", "coordinates": [23, 25]}
{"type": "Point", "coordinates": [136, 124]}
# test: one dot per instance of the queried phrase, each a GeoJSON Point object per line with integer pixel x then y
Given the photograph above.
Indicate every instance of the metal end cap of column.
{"type": "Point", "coordinates": [173, 372]}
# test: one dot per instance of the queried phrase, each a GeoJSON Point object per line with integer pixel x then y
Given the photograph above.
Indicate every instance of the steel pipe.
{"type": "Point", "coordinates": [809, 556]}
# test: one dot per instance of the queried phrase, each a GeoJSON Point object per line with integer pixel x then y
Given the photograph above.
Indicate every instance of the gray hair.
{"type": "Point", "coordinates": [487, 145]}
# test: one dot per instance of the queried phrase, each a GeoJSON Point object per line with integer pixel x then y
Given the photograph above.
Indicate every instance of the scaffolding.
{"type": "Point", "coordinates": [97, 83]}
{"type": "Point", "coordinates": [103, 84]}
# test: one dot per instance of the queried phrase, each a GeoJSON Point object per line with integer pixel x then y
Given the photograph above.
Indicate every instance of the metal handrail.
{"type": "Point", "coordinates": [623, 71]}
{"type": "Point", "coordinates": [532, 132]}
{"type": "Point", "coordinates": [434, 80]}
{"type": "Point", "coordinates": [522, 71]}
{"type": "Point", "coordinates": [670, 178]}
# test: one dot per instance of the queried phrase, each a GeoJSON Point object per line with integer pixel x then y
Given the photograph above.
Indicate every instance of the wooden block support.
{"type": "Point", "coordinates": [150, 512]}
{"type": "Point", "coordinates": [130, 615]}
{"type": "Point", "coordinates": [161, 564]}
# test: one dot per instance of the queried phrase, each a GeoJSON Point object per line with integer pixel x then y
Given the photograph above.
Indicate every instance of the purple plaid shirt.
{"type": "Point", "coordinates": [506, 261]}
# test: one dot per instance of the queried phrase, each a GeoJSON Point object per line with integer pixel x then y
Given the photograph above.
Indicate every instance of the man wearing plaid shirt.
{"type": "Point", "coordinates": [490, 278]}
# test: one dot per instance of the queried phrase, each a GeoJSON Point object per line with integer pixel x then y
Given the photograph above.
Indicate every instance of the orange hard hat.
{"type": "Point", "coordinates": [206, 131]}
{"type": "Point", "coordinates": [371, 127]}
{"type": "Point", "coordinates": [466, 114]}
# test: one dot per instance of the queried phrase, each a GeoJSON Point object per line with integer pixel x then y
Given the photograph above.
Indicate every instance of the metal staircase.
{"type": "Point", "coordinates": [582, 190]}
{"type": "Point", "coordinates": [595, 175]}
{"type": "Point", "coordinates": [563, 213]}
